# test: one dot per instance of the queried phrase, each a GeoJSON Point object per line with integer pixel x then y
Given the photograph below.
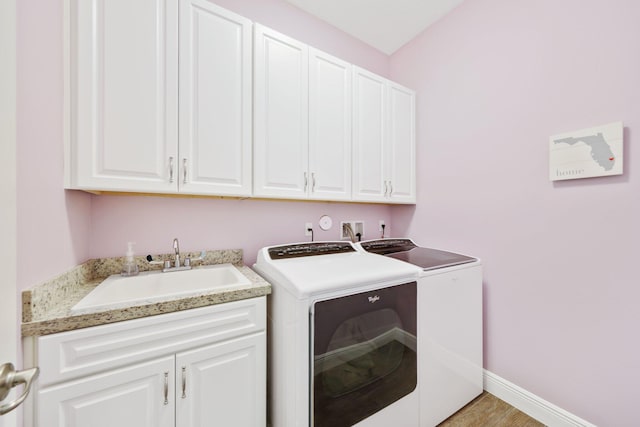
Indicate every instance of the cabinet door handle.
{"type": "Point", "coordinates": [390, 189]}
{"type": "Point", "coordinates": [170, 169]}
{"type": "Point", "coordinates": [184, 382]}
{"type": "Point", "coordinates": [166, 388]}
{"type": "Point", "coordinates": [313, 182]}
{"type": "Point", "coordinates": [184, 171]}
{"type": "Point", "coordinates": [386, 188]}
{"type": "Point", "coordinates": [306, 182]}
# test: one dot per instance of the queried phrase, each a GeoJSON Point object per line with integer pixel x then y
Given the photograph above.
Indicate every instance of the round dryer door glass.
{"type": "Point", "coordinates": [364, 355]}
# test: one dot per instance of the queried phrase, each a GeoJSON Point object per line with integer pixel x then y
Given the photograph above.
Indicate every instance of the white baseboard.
{"type": "Point", "coordinates": [532, 405]}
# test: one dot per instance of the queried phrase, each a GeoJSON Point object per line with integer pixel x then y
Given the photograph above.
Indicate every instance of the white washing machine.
{"type": "Point", "coordinates": [342, 347]}
{"type": "Point", "coordinates": [449, 325]}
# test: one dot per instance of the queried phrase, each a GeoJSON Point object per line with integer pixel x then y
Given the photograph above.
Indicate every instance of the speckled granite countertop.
{"type": "Point", "coordinates": [46, 307]}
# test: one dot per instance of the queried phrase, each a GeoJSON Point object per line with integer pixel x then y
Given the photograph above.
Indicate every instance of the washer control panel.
{"type": "Point", "coordinates": [387, 246]}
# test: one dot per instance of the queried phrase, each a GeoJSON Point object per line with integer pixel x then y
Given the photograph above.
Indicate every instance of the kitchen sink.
{"type": "Point", "coordinates": [154, 286]}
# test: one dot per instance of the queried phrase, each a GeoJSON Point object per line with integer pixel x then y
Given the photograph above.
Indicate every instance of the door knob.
{"type": "Point", "coordinates": [9, 378]}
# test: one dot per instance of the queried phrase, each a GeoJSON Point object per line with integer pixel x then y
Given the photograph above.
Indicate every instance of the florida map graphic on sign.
{"type": "Point", "coordinates": [586, 153]}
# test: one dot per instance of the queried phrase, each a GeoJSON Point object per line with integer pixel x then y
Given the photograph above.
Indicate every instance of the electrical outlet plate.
{"type": "Point", "coordinates": [359, 228]}
{"type": "Point", "coordinates": [308, 227]}
{"type": "Point", "coordinates": [380, 225]}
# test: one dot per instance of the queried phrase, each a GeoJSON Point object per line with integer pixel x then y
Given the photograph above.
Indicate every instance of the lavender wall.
{"type": "Point", "coordinates": [495, 79]}
{"type": "Point", "coordinates": [52, 225]}
{"type": "Point", "coordinates": [58, 229]}
{"type": "Point", "coordinates": [153, 222]}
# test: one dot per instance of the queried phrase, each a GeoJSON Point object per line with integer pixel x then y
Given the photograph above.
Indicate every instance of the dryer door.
{"type": "Point", "coordinates": [364, 354]}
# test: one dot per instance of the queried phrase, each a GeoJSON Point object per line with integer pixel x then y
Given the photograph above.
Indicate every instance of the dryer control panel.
{"type": "Point", "coordinates": [309, 249]}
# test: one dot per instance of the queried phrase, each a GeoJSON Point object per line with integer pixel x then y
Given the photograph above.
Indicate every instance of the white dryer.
{"type": "Point", "coordinates": [341, 337]}
{"type": "Point", "coordinates": [449, 325]}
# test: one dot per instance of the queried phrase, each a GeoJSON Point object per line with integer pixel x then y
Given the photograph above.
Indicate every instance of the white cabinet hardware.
{"type": "Point", "coordinates": [166, 388]}
{"type": "Point", "coordinates": [184, 382]}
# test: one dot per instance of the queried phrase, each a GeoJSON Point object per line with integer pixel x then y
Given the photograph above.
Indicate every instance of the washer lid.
{"type": "Point", "coordinates": [406, 250]}
{"type": "Point", "coordinates": [430, 259]}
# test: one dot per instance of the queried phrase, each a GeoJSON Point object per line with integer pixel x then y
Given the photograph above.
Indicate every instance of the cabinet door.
{"type": "Point", "coordinates": [123, 67]}
{"type": "Point", "coordinates": [402, 145]}
{"type": "Point", "coordinates": [223, 384]}
{"type": "Point", "coordinates": [329, 127]}
{"type": "Point", "coordinates": [137, 396]}
{"type": "Point", "coordinates": [369, 136]}
{"type": "Point", "coordinates": [215, 100]}
{"type": "Point", "coordinates": [281, 115]}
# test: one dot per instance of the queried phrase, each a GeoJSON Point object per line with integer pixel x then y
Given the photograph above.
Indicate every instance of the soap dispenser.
{"type": "Point", "coordinates": [129, 268]}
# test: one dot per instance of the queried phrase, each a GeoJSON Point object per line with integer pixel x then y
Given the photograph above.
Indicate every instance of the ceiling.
{"type": "Point", "coordinates": [384, 24]}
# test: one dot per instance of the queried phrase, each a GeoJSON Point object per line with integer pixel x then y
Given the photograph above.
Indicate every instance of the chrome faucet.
{"type": "Point", "coordinates": [177, 264]}
{"type": "Point", "coordinates": [176, 248]}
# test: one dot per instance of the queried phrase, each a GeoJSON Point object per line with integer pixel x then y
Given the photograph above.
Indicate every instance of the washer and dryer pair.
{"type": "Point", "coordinates": [356, 338]}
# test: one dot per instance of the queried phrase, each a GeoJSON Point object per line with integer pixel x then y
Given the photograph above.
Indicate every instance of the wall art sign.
{"type": "Point", "coordinates": [586, 153]}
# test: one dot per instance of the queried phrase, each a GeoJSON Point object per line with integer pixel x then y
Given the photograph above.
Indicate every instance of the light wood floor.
{"type": "Point", "coordinates": [487, 410]}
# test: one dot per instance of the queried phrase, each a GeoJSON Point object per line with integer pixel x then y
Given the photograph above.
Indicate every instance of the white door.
{"type": "Point", "coordinates": [402, 145]}
{"type": "Point", "coordinates": [281, 115]}
{"type": "Point", "coordinates": [329, 127]}
{"type": "Point", "coordinates": [123, 106]}
{"type": "Point", "coordinates": [369, 136]}
{"type": "Point", "coordinates": [8, 290]}
{"type": "Point", "coordinates": [215, 100]}
{"type": "Point", "coordinates": [137, 396]}
{"type": "Point", "coordinates": [223, 384]}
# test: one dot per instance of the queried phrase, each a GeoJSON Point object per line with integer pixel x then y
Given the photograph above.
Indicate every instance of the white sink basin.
{"type": "Point", "coordinates": [150, 287]}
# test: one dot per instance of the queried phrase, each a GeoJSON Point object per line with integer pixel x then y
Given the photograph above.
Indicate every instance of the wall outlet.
{"type": "Point", "coordinates": [381, 225]}
{"type": "Point", "coordinates": [359, 228]}
{"type": "Point", "coordinates": [308, 229]}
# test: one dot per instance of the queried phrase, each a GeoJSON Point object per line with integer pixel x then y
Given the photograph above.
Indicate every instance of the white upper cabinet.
{"type": "Point", "coordinates": [329, 127]}
{"type": "Point", "coordinates": [124, 105]}
{"type": "Point", "coordinates": [402, 144]}
{"type": "Point", "coordinates": [302, 124]}
{"type": "Point", "coordinates": [122, 94]}
{"type": "Point", "coordinates": [383, 140]}
{"type": "Point", "coordinates": [281, 115]}
{"type": "Point", "coordinates": [215, 100]}
{"type": "Point", "coordinates": [185, 97]}
{"type": "Point", "coordinates": [369, 136]}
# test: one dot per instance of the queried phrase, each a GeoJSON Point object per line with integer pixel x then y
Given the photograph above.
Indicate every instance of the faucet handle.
{"type": "Point", "coordinates": [152, 262]}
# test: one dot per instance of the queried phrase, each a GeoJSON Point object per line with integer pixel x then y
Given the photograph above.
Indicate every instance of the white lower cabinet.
{"type": "Point", "coordinates": [217, 384]}
{"type": "Point", "coordinates": [196, 368]}
{"type": "Point", "coordinates": [124, 397]}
